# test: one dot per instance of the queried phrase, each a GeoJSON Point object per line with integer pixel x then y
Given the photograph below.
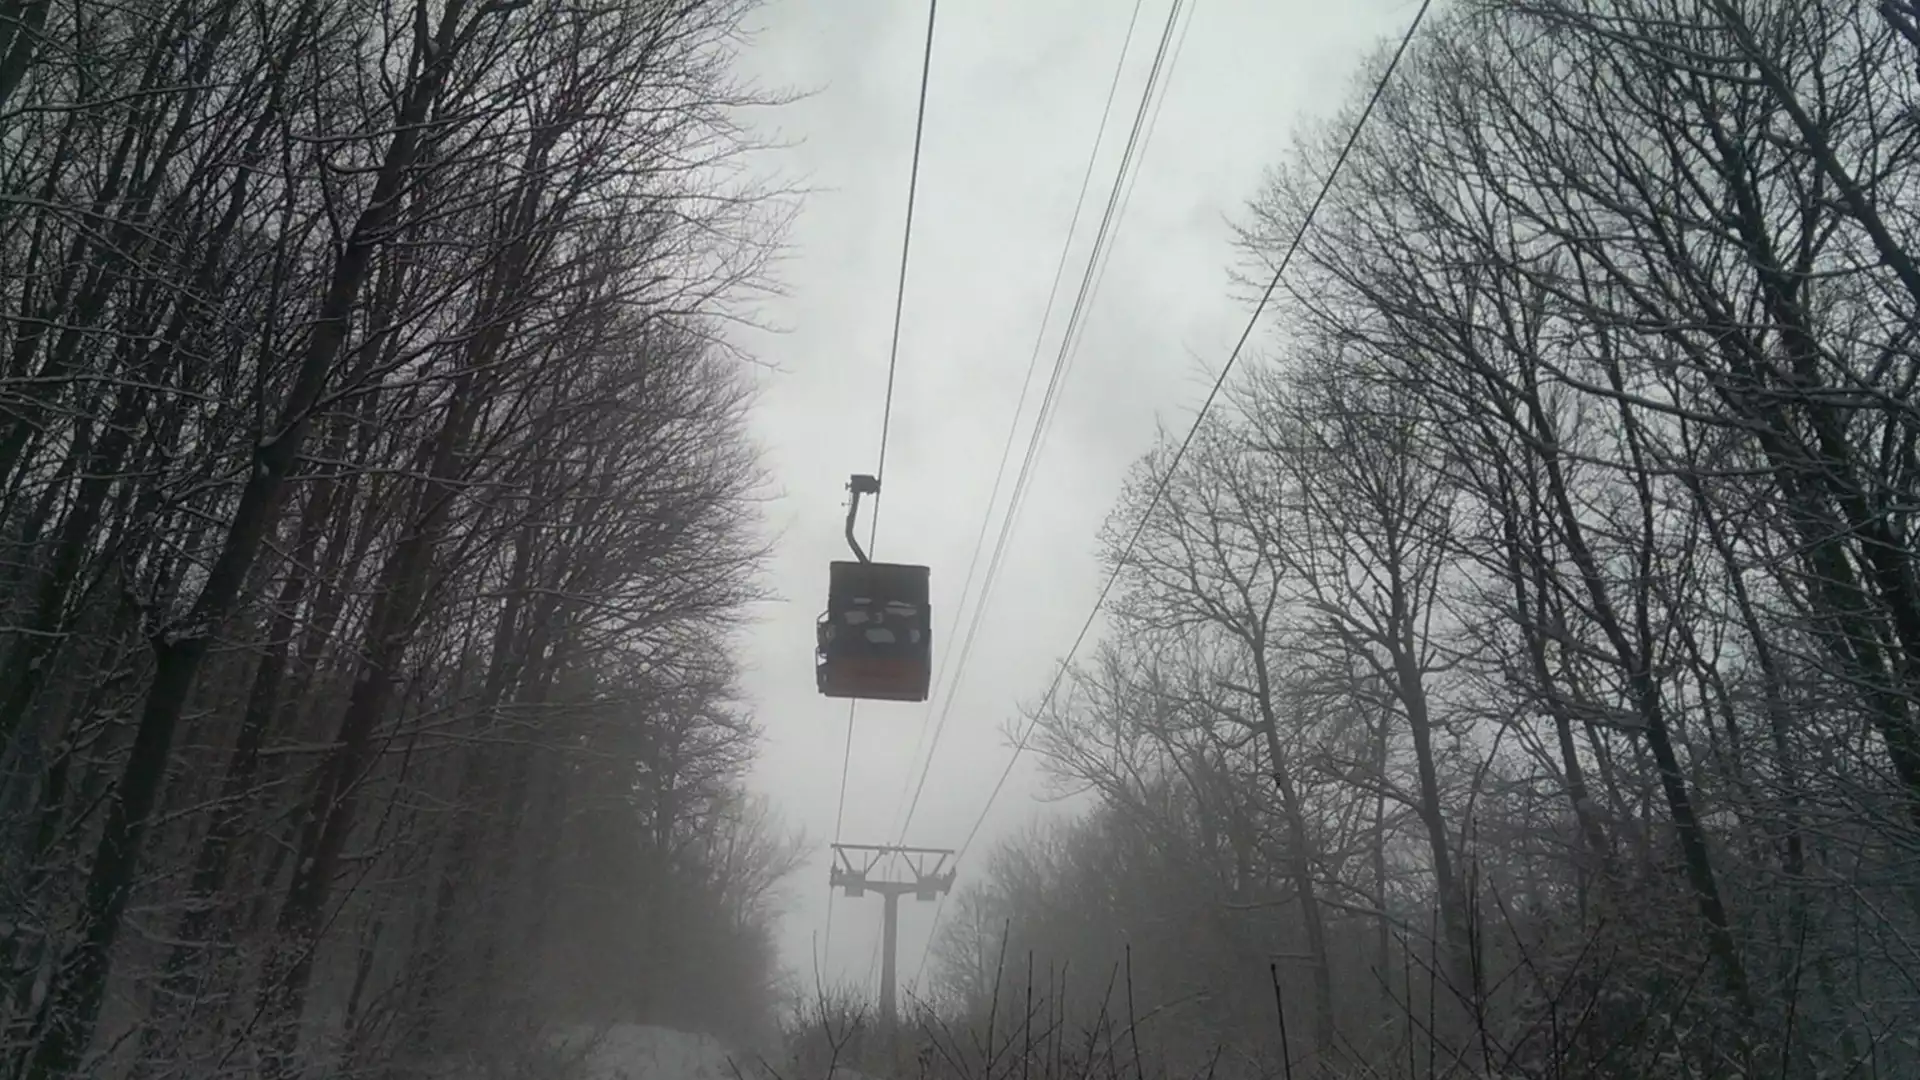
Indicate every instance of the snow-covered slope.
{"type": "Point", "coordinates": [634, 1052]}
{"type": "Point", "coordinates": [638, 1052]}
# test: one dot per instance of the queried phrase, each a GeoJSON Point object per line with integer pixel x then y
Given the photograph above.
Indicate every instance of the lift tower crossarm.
{"type": "Point", "coordinates": [854, 871]}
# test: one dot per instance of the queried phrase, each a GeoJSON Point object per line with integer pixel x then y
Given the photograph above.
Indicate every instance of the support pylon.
{"type": "Point", "coordinates": [854, 869]}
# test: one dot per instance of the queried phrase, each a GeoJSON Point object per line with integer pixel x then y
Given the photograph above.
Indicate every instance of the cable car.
{"type": "Point", "coordinates": [875, 640]}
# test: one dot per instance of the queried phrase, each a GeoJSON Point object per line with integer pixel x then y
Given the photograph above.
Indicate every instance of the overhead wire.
{"type": "Point", "coordinates": [1026, 386]}
{"type": "Point", "coordinates": [1049, 400]}
{"type": "Point", "coordinates": [906, 250]}
{"type": "Point", "coordinates": [1098, 261]}
{"type": "Point", "coordinates": [1000, 470]}
{"type": "Point", "coordinates": [1105, 256]}
{"type": "Point", "coordinates": [1166, 475]}
{"type": "Point", "coordinates": [886, 409]}
{"type": "Point", "coordinates": [839, 813]}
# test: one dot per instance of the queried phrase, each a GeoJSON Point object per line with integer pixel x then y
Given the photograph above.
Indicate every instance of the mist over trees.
{"type": "Point", "coordinates": [376, 509]}
{"type": "Point", "coordinates": [1525, 662]}
{"type": "Point", "coordinates": [1519, 677]}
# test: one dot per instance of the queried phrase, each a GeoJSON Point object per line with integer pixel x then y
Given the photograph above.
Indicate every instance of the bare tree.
{"type": "Point", "coordinates": [1581, 487]}
{"type": "Point", "coordinates": [367, 445]}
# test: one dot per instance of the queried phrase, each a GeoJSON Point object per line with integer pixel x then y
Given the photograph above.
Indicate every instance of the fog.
{"type": "Point", "coordinates": [1461, 619]}
{"type": "Point", "coordinates": [1014, 101]}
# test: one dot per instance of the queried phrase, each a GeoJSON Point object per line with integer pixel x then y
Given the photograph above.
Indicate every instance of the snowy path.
{"type": "Point", "coordinates": [636, 1052]}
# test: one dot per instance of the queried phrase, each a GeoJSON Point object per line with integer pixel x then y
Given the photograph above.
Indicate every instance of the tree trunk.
{"type": "Point", "coordinates": [73, 1004]}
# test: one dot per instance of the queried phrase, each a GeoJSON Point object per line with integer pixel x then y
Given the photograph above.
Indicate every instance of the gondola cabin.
{"type": "Point", "coordinates": [876, 639]}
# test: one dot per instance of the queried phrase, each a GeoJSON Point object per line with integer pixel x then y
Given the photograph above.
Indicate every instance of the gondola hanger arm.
{"type": "Point", "coordinates": [861, 484]}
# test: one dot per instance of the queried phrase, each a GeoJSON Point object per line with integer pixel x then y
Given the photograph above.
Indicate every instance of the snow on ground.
{"type": "Point", "coordinates": [637, 1052]}
{"type": "Point", "coordinates": [640, 1052]}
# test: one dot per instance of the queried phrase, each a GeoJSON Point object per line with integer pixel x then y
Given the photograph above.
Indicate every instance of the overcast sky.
{"type": "Point", "coordinates": [1016, 93]}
